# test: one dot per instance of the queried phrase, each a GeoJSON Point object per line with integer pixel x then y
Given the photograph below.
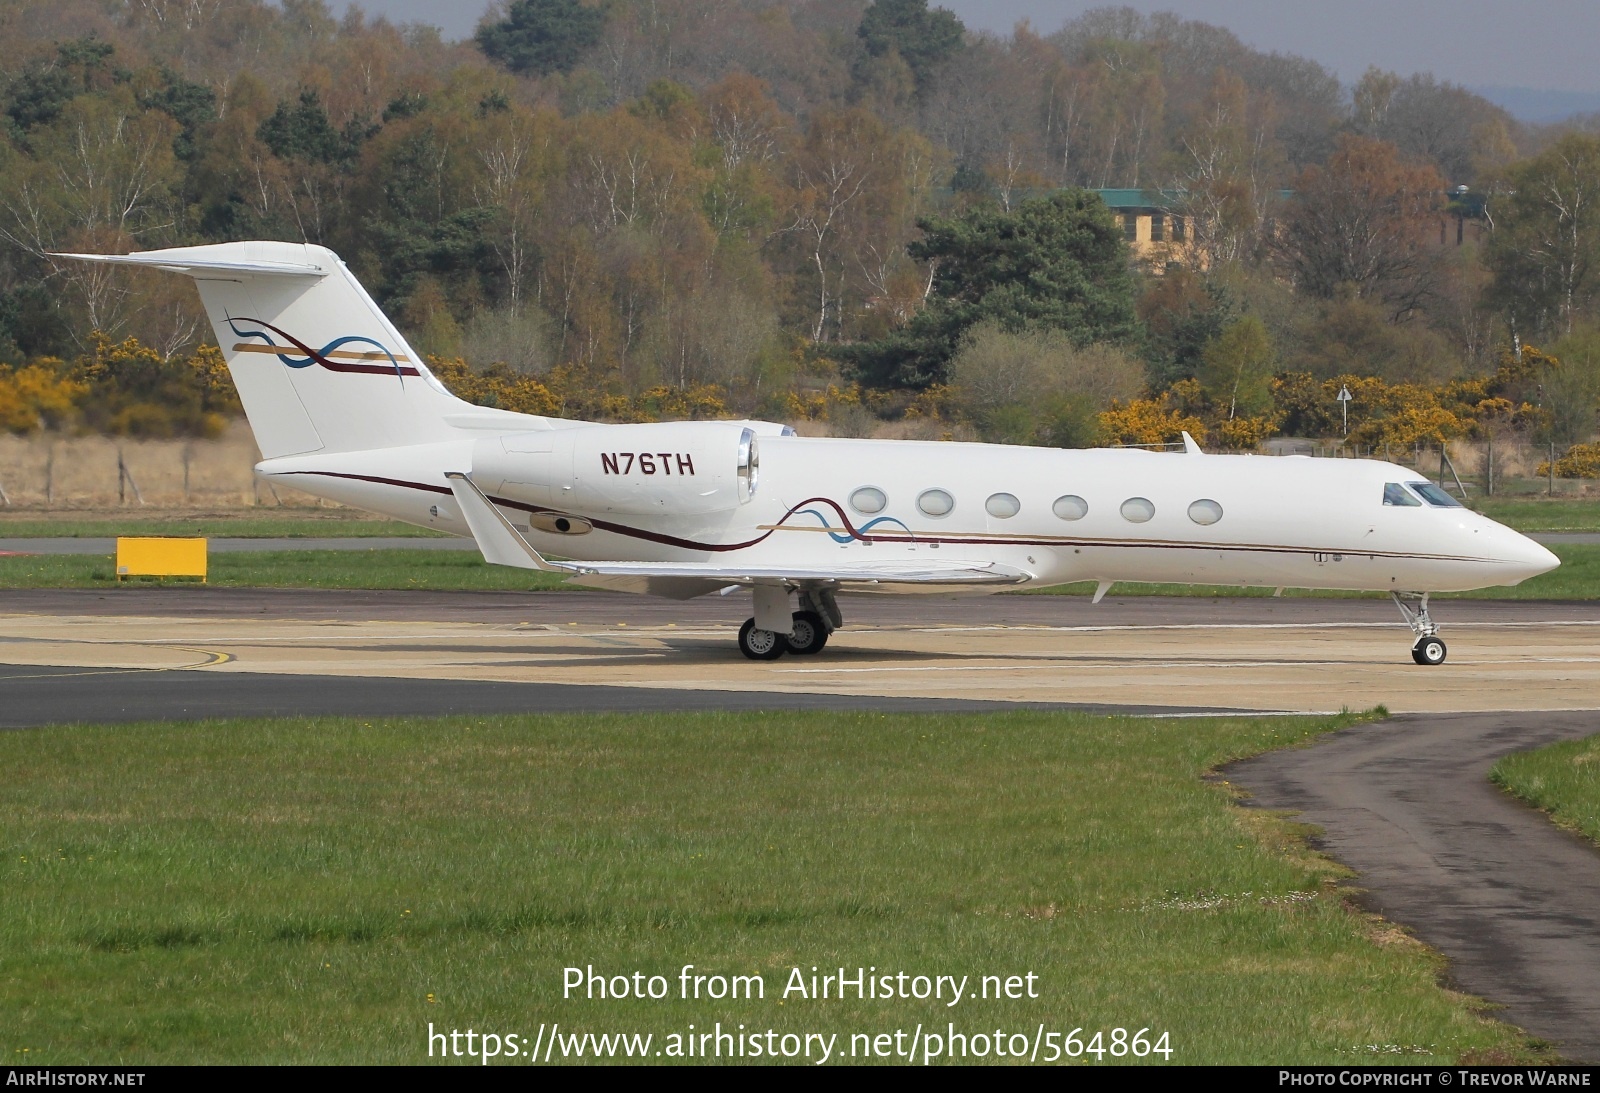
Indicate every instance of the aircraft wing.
{"type": "Point", "coordinates": [502, 544]}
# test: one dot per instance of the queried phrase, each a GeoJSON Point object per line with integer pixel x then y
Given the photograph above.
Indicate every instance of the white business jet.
{"type": "Point", "coordinates": [343, 408]}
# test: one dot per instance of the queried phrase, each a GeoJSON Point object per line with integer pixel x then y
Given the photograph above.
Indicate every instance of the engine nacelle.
{"type": "Point", "coordinates": [687, 467]}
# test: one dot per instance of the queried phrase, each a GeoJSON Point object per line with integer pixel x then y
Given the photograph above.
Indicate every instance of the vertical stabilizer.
{"type": "Point", "coordinates": [317, 365]}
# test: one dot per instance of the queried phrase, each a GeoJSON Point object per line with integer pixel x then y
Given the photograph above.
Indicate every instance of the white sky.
{"type": "Point", "coordinates": [1543, 44]}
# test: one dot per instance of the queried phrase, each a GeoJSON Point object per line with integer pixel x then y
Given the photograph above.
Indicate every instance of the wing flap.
{"type": "Point", "coordinates": [871, 573]}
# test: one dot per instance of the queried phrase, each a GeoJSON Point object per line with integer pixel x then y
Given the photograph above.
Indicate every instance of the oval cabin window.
{"type": "Point", "coordinates": [869, 499]}
{"type": "Point", "coordinates": [1002, 505]}
{"type": "Point", "coordinates": [1070, 507]}
{"type": "Point", "coordinates": [1136, 510]}
{"type": "Point", "coordinates": [1205, 511]}
{"type": "Point", "coordinates": [936, 502]}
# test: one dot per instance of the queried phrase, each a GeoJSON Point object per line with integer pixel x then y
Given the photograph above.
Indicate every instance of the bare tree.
{"type": "Point", "coordinates": [1361, 223]}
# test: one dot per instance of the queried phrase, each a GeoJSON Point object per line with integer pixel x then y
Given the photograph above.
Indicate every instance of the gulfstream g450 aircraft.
{"type": "Point", "coordinates": [343, 408]}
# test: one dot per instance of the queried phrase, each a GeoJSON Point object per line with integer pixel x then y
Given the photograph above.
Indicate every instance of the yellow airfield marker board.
{"type": "Point", "coordinates": [153, 557]}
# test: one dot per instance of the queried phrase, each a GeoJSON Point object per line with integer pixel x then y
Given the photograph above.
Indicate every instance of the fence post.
{"type": "Point", "coordinates": [125, 478]}
{"type": "Point", "coordinates": [1550, 467]}
{"type": "Point", "coordinates": [1445, 461]}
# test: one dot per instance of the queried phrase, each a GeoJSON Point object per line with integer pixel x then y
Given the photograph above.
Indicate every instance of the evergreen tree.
{"type": "Point", "coordinates": [921, 37]}
{"type": "Point", "coordinates": [302, 131]}
{"type": "Point", "coordinates": [1053, 263]}
{"type": "Point", "coordinates": [538, 37]}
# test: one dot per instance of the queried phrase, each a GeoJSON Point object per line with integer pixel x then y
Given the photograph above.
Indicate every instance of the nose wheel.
{"type": "Point", "coordinates": [1428, 648]}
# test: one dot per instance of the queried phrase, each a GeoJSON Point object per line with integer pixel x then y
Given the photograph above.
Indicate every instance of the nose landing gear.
{"type": "Point", "coordinates": [1428, 648]}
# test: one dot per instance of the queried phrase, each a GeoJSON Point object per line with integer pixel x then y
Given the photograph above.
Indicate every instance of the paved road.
{"type": "Point", "coordinates": [1512, 901]}
{"type": "Point", "coordinates": [1258, 653]}
{"type": "Point", "coordinates": [42, 695]}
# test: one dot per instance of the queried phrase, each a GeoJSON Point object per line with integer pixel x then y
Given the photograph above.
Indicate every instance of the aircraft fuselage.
{"type": "Point", "coordinates": [1101, 514]}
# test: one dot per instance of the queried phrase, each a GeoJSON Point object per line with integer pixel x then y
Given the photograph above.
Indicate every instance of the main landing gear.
{"type": "Point", "coordinates": [808, 628]}
{"type": "Point", "coordinates": [1429, 648]}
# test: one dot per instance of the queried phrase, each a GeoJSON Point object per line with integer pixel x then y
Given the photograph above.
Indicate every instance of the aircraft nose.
{"type": "Point", "coordinates": [1524, 557]}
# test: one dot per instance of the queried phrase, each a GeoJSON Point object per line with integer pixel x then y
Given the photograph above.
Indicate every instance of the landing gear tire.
{"type": "Point", "coordinates": [761, 644]}
{"type": "Point", "coordinates": [1428, 650]}
{"type": "Point", "coordinates": [810, 634]}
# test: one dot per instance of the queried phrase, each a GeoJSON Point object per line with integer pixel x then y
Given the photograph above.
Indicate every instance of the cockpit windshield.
{"type": "Point", "coordinates": [1434, 495]}
{"type": "Point", "coordinates": [1396, 494]}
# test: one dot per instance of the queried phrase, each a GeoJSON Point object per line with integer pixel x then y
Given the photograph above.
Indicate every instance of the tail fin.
{"type": "Point", "coordinates": [317, 365]}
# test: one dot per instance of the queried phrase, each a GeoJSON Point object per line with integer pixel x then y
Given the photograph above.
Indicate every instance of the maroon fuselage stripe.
{"type": "Point", "coordinates": [691, 544]}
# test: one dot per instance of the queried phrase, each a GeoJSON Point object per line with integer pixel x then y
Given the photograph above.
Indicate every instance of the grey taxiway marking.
{"type": "Point", "coordinates": [1511, 900]}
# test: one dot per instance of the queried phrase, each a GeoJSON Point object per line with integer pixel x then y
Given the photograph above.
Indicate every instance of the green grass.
{"type": "Point", "coordinates": [442, 570]}
{"type": "Point", "coordinates": [320, 890]}
{"type": "Point", "coordinates": [1542, 514]}
{"type": "Point", "coordinates": [1563, 779]}
{"type": "Point", "coordinates": [1577, 579]}
{"type": "Point", "coordinates": [211, 525]}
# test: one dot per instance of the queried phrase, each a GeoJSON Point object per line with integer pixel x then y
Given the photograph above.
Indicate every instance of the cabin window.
{"type": "Point", "coordinates": [1435, 495]}
{"type": "Point", "coordinates": [1396, 494]}
{"type": "Point", "coordinates": [1136, 510]}
{"type": "Point", "coordinates": [1205, 511]}
{"type": "Point", "coordinates": [869, 499]}
{"type": "Point", "coordinates": [1177, 229]}
{"type": "Point", "coordinates": [1158, 227]}
{"type": "Point", "coordinates": [1130, 227]}
{"type": "Point", "coordinates": [1002, 505]}
{"type": "Point", "coordinates": [936, 502]}
{"type": "Point", "coordinates": [1070, 507]}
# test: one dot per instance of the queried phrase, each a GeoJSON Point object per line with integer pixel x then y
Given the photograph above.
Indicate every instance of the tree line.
{"type": "Point", "coordinates": [837, 208]}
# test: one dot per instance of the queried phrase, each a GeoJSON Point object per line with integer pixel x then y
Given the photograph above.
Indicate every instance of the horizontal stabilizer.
{"type": "Point", "coordinates": [194, 260]}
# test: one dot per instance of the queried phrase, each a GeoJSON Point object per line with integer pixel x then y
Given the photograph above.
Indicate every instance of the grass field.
{"type": "Point", "coordinates": [1577, 579]}
{"type": "Point", "coordinates": [429, 569]}
{"type": "Point", "coordinates": [1563, 779]}
{"type": "Point", "coordinates": [321, 890]}
{"type": "Point", "coordinates": [337, 524]}
{"type": "Point", "coordinates": [1542, 514]}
